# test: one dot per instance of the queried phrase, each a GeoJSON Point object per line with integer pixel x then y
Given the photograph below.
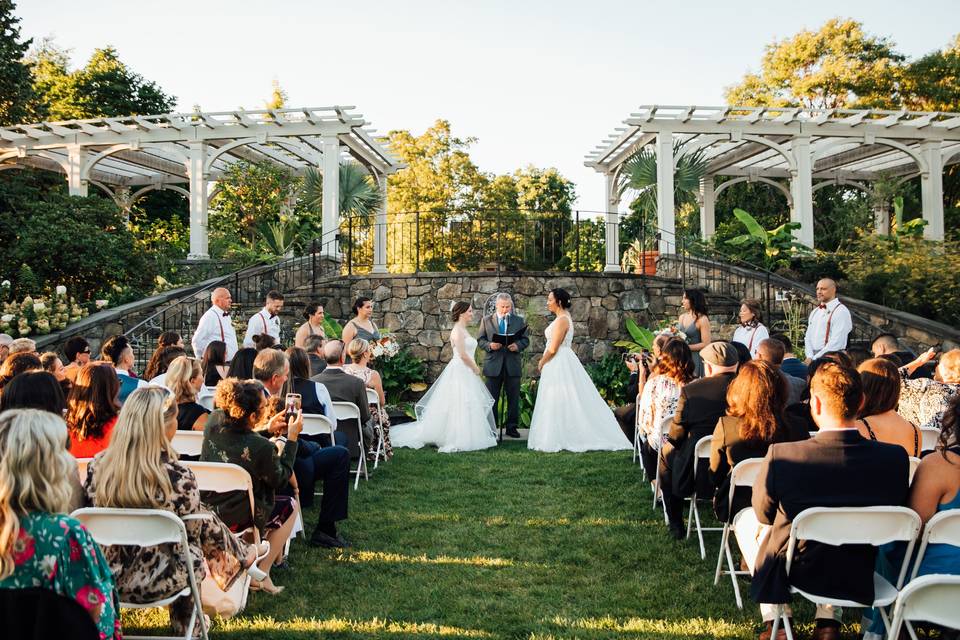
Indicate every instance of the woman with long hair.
{"type": "Point", "coordinates": [751, 331]}
{"type": "Point", "coordinates": [695, 323]}
{"type": "Point", "coordinates": [140, 471]}
{"type": "Point", "coordinates": [362, 324]}
{"type": "Point", "coordinates": [313, 316]}
{"type": "Point", "coordinates": [92, 409]}
{"type": "Point", "coordinates": [185, 379]}
{"type": "Point", "coordinates": [214, 364]}
{"type": "Point", "coordinates": [241, 367]}
{"type": "Point", "coordinates": [879, 419]}
{"type": "Point", "coordinates": [360, 357]}
{"type": "Point", "coordinates": [659, 397]}
{"type": "Point", "coordinates": [15, 364]}
{"type": "Point", "coordinates": [160, 361]}
{"type": "Point", "coordinates": [34, 390]}
{"type": "Point", "coordinates": [39, 545]}
{"type": "Point", "coordinates": [755, 419]}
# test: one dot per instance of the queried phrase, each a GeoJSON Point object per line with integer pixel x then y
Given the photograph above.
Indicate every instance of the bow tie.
{"type": "Point", "coordinates": [272, 316]}
{"type": "Point", "coordinates": [822, 306]}
{"type": "Point", "coordinates": [226, 314]}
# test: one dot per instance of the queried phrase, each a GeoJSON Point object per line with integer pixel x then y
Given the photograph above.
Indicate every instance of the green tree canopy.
{"type": "Point", "coordinates": [16, 88]}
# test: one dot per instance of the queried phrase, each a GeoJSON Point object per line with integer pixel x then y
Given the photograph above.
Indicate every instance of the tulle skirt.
{"type": "Point", "coordinates": [569, 414]}
{"type": "Point", "coordinates": [456, 414]}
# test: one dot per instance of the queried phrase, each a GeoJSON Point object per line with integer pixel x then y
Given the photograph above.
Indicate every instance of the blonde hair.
{"type": "Point", "coordinates": [950, 366]}
{"type": "Point", "coordinates": [130, 473]}
{"type": "Point", "coordinates": [356, 349]}
{"type": "Point", "coordinates": [35, 468]}
{"type": "Point", "coordinates": [181, 371]}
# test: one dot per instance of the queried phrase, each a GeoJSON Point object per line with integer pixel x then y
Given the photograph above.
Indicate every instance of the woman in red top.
{"type": "Point", "coordinates": [92, 409]}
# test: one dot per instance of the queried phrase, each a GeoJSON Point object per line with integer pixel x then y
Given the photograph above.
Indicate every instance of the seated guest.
{"type": "Point", "coordinates": [751, 330]}
{"type": "Point", "coordinates": [230, 437]}
{"type": "Point", "coordinates": [313, 314]}
{"type": "Point", "coordinates": [23, 345]}
{"type": "Point", "coordinates": [659, 397]}
{"type": "Point", "coordinates": [888, 345]}
{"type": "Point", "coordinates": [923, 401]}
{"type": "Point", "coordinates": [157, 368]}
{"type": "Point", "coordinates": [17, 363]}
{"type": "Point", "coordinates": [241, 367]}
{"type": "Point", "coordinates": [51, 363]}
{"type": "Point", "coordinates": [92, 410]}
{"type": "Point", "coordinates": [345, 388]}
{"type": "Point", "coordinates": [77, 351]}
{"type": "Point", "coordinates": [184, 379]}
{"type": "Point", "coordinates": [34, 390]}
{"type": "Point", "coordinates": [117, 351]}
{"type": "Point", "coordinates": [214, 363]}
{"type": "Point", "coordinates": [263, 341]}
{"type": "Point", "coordinates": [313, 345]}
{"type": "Point", "coordinates": [935, 488]}
{"type": "Point", "coordinates": [702, 403]}
{"type": "Point", "coordinates": [40, 546]}
{"type": "Point", "coordinates": [315, 460]}
{"type": "Point", "coordinates": [791, 365]}
{"type": "Point", "coordinates": [772, 351]}
{"type": "Point", "coordinates": [169, 339]}
{"type": "Point", "coordinates": [878, 418]}
{"type": "Point", "coordinates": [755, 419]}
{"type": "Point", "coordinates": [5, 341]}
{"type": "Point", "coordinates": [743, 354]}
{"type": "Point", "coordinates": [836, 468]}
{"type": "Point", "coordinates": [314, 397]}
{"type": "Point", "coordinates": [360, 356]}
{"type": "Point", "coordinates": [141, 471]}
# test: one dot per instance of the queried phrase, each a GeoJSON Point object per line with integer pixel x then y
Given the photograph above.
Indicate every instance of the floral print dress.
{"type": "Point", "coordinates": [379, 417]}
{"type": "Point", "coordinates": [55, 552]}
{"type": "Point", "coordinates": [923, 401]}
{"type": "Point", "coordinates": [658, 401]}
{"type": "Point", "coordinates": [145, 574]}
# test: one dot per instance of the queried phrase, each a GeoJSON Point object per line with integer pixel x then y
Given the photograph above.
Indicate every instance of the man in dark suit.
{"type": "Point", "coordinates": [313, 345]}
{"type": "Point", "coordinates": [791, 366]}
{"type": "Point", "coordinates": [772, 351]}
{"type": "Point", "coordinates": [344, 387]}
{"type": "Point", "coordinates": [701, 404]}
{"type": "Point", "coordinates": [888, 345]}
{"type": "Point", "coordinates": [503, 365]}
{"type": "Point", "coordinates": [836, 468]}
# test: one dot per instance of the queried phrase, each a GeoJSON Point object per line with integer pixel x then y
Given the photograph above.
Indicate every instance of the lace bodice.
{"type": "Point", "coordinates": [567, 339]}
{"type": "Point", "coordinates": [469, 343]}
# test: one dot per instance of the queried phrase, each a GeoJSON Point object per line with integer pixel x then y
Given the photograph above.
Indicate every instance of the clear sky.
{"type": "Point", "coordinates": [538, 82]}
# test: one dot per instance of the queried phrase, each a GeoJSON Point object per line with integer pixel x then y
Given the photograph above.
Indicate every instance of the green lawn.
{"type": "Point", "coordinates": [505, 543]}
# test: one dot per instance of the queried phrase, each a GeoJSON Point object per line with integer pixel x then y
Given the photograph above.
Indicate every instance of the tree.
{"type": "Point", "coordinates": [837, 66]}
{"type": "Point", "coordinates": [278, 97]}
{"type": "Point", "coordinates": [251, 196]}
{"type": "Point", "coordinates": [932, 83]}
{"type": "Point", "coordinates": [16, 85]}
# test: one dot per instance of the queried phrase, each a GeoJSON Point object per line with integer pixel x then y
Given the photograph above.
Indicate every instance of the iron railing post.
{"type": "Point", "coordinates": [417, 243]}
{"type": "Point", "coordinates": [313, 266]}
{"type": "Point", "coordinates": [350, 246]}
{"type": "Point", "coordinates": [768, 306]}
{"type": "Point", "coordinates": [576, 221]}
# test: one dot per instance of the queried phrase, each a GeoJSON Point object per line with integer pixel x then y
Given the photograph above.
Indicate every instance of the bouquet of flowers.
{"type": "Point", "coordinates": [385, 347]}
{"type": "Point", "coordinates": [671, 329]}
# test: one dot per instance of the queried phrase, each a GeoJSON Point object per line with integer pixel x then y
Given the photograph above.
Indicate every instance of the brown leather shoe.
{"type": "Point", "coordinates": [768, 632]}
{"type": "Point", "coordinates": [827, 633]}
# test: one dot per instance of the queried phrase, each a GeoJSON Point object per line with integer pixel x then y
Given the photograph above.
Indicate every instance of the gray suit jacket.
{"type": "Point", "coordinates": [344, 387]}
{"type": "Point", "coordinates": [502, 359]}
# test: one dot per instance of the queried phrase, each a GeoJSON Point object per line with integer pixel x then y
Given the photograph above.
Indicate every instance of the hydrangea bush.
{"type": "Point", "coordinates": [41, 314]}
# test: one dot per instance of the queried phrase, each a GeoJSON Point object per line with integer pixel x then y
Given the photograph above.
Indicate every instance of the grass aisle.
{"type": "Point", "coordinates": [505, 543]}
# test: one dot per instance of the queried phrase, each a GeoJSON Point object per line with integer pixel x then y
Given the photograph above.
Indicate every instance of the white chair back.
{"type": "Point", "coordinates": [205, 397]}
{"type": "Point", "coordinates": [703, 448]}
{"type": "Point", "coordinates": [928, 438]}
{"type": "Point", "coordinates": [82, 464]}
{"type": "Point", "coordinates": [140, 527]}
{"type": "Point", "coordinates": [942, 528]}
{"type": "Point", "coordinates": [372, 397]}
{"type": "Point", "coordinates": [931, 598]}
{"type": "Point", "coordinates": [187, 443]}
{"type": "Point", "coordinates": [914, 463]}
{"type": "Point", "coordinates": [317, 424]}
{"type": "Point", "coordinates": [222, 477]}
{"type": "Point", "coordinates": [745, 472]}
{"type": "Point", "coordinates": [346, 411]}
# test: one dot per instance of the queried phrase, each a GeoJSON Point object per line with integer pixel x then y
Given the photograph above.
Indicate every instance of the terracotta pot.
{"type": "Point", "coordinates": [647, 263]}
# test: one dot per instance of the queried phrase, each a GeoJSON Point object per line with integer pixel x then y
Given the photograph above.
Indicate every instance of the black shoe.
{"type": "Point", "coordinates": [284, 565]}
{"type": "Point", "coordinates": [677, 531]}
{"type": "Point", "coordinates": [321, 539]}
{"type": "Point", "coordinates": [513, 433]}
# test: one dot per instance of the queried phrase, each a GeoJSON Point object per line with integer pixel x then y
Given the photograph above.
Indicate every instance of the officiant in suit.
{"type": "Point", "coordinates": [503, 364]}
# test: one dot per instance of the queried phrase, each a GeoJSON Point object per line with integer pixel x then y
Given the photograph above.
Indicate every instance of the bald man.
{"type": "Point", "coordinates": [829, 324]}
{"type": "Point", "coordinates": [215, 325]}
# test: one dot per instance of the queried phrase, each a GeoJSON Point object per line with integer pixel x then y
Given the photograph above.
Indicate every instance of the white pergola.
{"type": "Point", "coordinates": [129, 156]}
{"type": "Point", "coordinates": [796, 151]}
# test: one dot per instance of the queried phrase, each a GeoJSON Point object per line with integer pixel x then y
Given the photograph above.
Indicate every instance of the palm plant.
{"type": "Point", "coordinates": [777, 244]}
{"type": "Point", "coordinates": [359, 194]}
{"type": "Point", "coordinates": [641, 175]}
{"type": "Point", "coordinates": [279, 237]}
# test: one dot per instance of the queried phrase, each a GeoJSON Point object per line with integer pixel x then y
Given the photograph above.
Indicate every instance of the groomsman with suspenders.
{"type": "Point", "coordinates": [829, 324]}
{"type": "Point", "coordinates": [215, 325]}
{"type": "Point", "coordinates": [266, 320]}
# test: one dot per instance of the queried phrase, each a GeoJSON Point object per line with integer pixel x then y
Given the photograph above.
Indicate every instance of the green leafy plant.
{"type": "Point", "coordinates": [359, 194]}
{"type": "Point", "coordinates": [332, 328]}
{"type": "Point", "coordinates": [641, 338]}
{"type": "Point", "coordinates": [911, 228]}
{"type": "Point", "coordinates": [610, 376]}
{"type": "Point", "coordinates": [528, 398]}
{"type": "Point", "coordinates": [777, 244]}
{"type": "Point", "coordinates": [399, 374]}
{"type": "Point", "coordinates": [279, 238]}
{"type": "Point", "coordinates": [641, 172]}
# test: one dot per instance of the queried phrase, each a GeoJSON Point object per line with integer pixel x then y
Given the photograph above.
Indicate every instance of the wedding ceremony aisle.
{"type": "Point", "coordinates": [502, 543]}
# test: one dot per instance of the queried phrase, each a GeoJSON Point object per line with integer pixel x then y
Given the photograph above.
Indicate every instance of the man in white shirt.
{"type": "Point", "coordinates": [829, 324]}
{"type": "Point", "coordinates": [215, 325]}
{"type": "Point", "coordinates": [266, 320]}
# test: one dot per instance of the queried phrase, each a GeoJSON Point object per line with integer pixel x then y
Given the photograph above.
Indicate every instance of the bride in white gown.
{"type": "Point", "coordinates": [456, 414]}
{"type": "Point", "coordinates": [569, 414]}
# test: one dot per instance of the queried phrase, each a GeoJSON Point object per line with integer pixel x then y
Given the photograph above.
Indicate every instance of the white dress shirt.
{"type": "Point", "coordinates": [827, 329]}
{"type": "Point", "coordinates": [214, 325]}
{"type": "Point", "coordinates": [261, 322]}
{"type": "Point", "coordinates": [751, 337]}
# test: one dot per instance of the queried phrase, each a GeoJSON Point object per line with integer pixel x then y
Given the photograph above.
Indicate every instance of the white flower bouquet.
{"type": "Point", "coordinates": [385, 348]}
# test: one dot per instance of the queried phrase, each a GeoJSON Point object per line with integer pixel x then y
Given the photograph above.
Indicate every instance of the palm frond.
{"type": "Point", "coordinates": [359, 193]}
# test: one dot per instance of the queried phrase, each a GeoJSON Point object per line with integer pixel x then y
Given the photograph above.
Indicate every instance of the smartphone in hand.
{"type": "Point", "coordinates": [292, 404]}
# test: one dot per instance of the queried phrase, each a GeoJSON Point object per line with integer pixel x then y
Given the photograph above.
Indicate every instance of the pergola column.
{"type": "Point", "coordinates": [331, 195]}
{"type": "Point", "coordinates": [612, 225]}
{"type": "Point", "coordinates": [665, 205]}
{"type": "Point", "coordinates": [708, 222]}
{"type": "Point", "coordinates": [76, 157]}
{"type": "Point", "coordinates": [881, 218]}
{"type": "Point", "coordinates": [931, 190]}
{"type": "Point", "coordinates": [801, 187]}
{"type": "Point", "coordinates": [198, 201]}
{"type": "Point", "coordinates": [380, 229]}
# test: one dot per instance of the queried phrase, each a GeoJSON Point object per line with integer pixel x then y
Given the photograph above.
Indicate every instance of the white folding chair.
{"type": "Point", "coordinates": [742, 475]}
{"type": "Point", "coordinates": [222, 477]}
{"type": "Point", "coordinates": [187, 443]}
{"type": "Point", "coordinates": [637, 436]}
{"type": "Point", "coordinates": [914, 463]}
{"type": "Point", "coordinates": [929, 436]}
{"type": "Point", "coordinates": [852, 525]}
{"type": "Point", "coordinates": [701, 452]}
{"type": "Point", "coordinates": [317, 424]}
{"type": "Point", "coordinates": [146, 528]}
{"type": "Point", "coordinates": [350, 411]}
{"type": "Point", "coordinates": [664, 431]}
{"type": "Point", "coordinates": [205, 397]}
{"type": "Point", "coordinates": [932, 598]}
{"type": "Point", "coordinates": [82, 464]}
{"type": "Point", "coordinates": [374, 399]}
{"type": "Point", "coordinates": [942, 528]}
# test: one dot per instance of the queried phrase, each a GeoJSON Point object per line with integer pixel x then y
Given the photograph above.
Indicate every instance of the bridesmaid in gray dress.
{"type": "Point", "coordinates": [696, 324]}
{"type": "Point", "coordinates": [362, 325]}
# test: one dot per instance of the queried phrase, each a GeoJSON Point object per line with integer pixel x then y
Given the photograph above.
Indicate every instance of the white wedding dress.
{"type": "Point", "coordinates": [569, 414]}
{"type": "Point", "coordinates": [456, 413]}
